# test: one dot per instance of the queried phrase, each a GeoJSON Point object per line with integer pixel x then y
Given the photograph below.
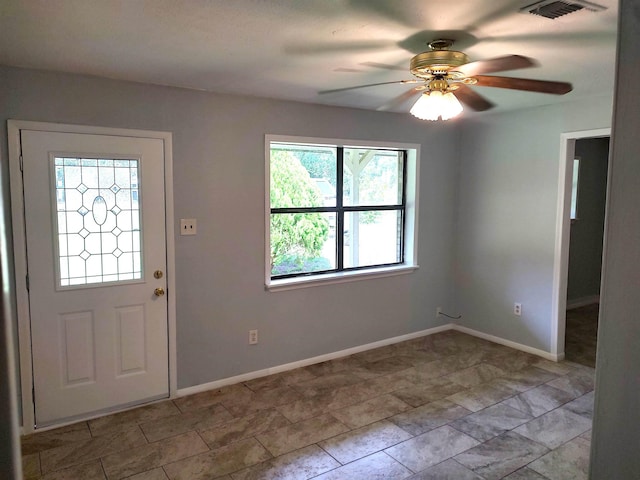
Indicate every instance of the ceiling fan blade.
{"type": "Point", "coordinates": [498, 64]}
{"type": "Point", "coordinates": [385, 66]}
{"type": "Point", "coordinates": [527, 84]}
{"type": "Point", "coordinates": [397, 101]}
{"type": "Point", "coordinates": [472, 99]}
{"type": "Point", "coordinates": [336, 90]}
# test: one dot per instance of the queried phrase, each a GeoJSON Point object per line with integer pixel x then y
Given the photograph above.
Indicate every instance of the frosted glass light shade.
{"type": "Point", "coordinates": [434, 105]}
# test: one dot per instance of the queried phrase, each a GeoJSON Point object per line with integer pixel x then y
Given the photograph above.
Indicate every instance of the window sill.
{"type": "Point", "coordinates": [341, 277]}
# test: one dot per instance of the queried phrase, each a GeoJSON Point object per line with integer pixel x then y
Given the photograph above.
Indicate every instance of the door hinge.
{"type": "Point", "coordinates": [21, 163]}
{"type": "Point", "coordinates": [27, 278]}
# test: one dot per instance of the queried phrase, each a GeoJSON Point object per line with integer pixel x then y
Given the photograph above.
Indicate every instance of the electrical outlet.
{"type": "Point", "coordinates": [253, 337]}
{"type": "Point", "coordinates": [517, 309]}
{"type": "Point", "coordinates": [188, 226]}
{"type": "Point", "coordinates": [438, 312]}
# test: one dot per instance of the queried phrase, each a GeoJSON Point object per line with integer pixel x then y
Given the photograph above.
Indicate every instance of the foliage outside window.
{"type": "Point", "coordinates": [335, 208]}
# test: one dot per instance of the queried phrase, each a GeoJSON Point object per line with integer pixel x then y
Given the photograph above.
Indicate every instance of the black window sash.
{"type": "Point", "coordinates": [340, 209]}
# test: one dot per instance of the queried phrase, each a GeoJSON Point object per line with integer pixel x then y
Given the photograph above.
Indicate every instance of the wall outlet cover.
{"type": "Point", "coordinates": [188, 226]}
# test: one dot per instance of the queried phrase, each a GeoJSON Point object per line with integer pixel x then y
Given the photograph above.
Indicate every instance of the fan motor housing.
{"type": "Point", "coordinates": [436, 62]}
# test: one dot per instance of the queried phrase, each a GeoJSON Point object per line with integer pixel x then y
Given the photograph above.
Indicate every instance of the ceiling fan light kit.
{"type": "Point", "coordinates": [435, 104]}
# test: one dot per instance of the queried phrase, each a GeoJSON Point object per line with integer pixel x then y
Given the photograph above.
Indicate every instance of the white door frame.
{"type": "Point", "coordinates": [563, 230]}
{"type": "Point", "coordinates": [20, 253]}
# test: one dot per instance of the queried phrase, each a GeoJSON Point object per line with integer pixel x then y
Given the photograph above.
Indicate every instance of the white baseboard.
{"type": "Point", "coordinates": [582, 301]}
{"type": "Point", "coordinates": [509, 343]}
{"type": "Point", "coordinates": [182, 392]}
{"type": "Point", "coordinates": [307, 361]}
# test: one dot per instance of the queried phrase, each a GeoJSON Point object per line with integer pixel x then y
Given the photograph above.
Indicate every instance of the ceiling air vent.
{"type": "Point", "coordinates": [556, 8]}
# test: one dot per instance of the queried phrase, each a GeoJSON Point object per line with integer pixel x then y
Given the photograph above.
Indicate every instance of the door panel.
{"type": "Point", "coordinates": [94, 221]}
{"type": "Point", "coordinates": [131, 339]}
{"type": "Point", "coordinates": [77, 352]}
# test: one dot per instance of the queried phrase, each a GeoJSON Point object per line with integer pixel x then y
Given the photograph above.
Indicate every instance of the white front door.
{"type": "Point", "coordinates": [96, 259]}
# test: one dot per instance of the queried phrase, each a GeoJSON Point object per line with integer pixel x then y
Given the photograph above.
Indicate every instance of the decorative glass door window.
{"type": "Point", "coordinates": [97, 220]}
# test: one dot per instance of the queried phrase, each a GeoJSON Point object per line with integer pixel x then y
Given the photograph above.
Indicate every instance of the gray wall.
{"type": "Point", "coordinates": [219, 179]}
{"type": "Point", "coordinates": [507, 217]}
{"type": "Point", "coordinates": [585, 246]}
{"type": "Point", "coordinates": [616, 427]}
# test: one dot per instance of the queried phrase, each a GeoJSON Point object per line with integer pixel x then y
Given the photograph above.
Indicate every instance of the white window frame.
{"type": "Point", "coordinates": [411, 216]}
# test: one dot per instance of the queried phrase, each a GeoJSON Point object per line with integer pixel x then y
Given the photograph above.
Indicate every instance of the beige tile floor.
{"type": "Point", "coordinates": [447, 406]}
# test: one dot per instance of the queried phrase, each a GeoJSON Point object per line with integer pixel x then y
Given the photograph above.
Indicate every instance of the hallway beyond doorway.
{"type": "Point", "coordinates": [581, 334]}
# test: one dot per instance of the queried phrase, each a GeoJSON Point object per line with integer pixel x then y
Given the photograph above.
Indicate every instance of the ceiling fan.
{"type": "Point", "coordinates": [443, 77]}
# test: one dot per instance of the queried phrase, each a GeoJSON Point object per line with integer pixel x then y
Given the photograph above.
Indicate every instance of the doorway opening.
{"type": "Point", "coordinates": [589, 194]}
{"type": "Point", "coordinates": [579, 243]}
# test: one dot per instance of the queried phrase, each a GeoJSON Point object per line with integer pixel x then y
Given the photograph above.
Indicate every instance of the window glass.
{"type": "Point", "coordinates": [97, 220]}
{"type": "Point", "coordinates": [302, 243]}
{"type": "Point", "coordinates": [372, 238]}
{"type": "Point", "coordinates": [574, 189]}
{"type": "Point", "coordinates": [302, 176]}
{"type": "Point", "coordinates": [372, 177]}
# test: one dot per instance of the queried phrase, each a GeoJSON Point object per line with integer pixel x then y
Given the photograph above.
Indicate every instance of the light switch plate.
{"type": "Point", "coordinates": [188, 226]}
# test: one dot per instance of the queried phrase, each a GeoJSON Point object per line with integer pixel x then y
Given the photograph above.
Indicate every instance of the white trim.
{"type": "Point", "coordinates": [245, 377]}
{"type": "Point", "coordinates": [563, 224]}
{"type": "Point", "coordinates": [411, 214]}
{"type": "Point", "coordinates": [508, 343]}
{"type": "Point", "coordinates": [308, 361]}
{"type": "Point", "coordinates": [582, 301]}
{"type": "Point", "coordinates": [339, 277]}
{"type": "Point", "coordinates": [20, 270]}
{"type": "Point", "coordinates": [19, 247]}
{"type": "Point", "coordinates": [171, 263]}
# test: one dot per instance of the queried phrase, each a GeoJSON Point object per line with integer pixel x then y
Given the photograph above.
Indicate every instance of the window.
{"type": "Point", "coordinates": [335, 208]}
{"type": "Point", "coordinates": [574, 188]}
{"type": "Point", "coordinates": [97, 220]}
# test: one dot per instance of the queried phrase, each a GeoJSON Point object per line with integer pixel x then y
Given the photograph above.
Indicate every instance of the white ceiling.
{"type": "Point", "coordinates": [292, 49]}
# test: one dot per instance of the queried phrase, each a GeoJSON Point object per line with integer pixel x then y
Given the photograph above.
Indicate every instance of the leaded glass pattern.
{"type": "Point", "coordinates": [98, 220]}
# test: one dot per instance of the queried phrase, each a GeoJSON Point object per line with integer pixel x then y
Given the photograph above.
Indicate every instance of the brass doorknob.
{"type": "Point", "coordinates": [158, 292]}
